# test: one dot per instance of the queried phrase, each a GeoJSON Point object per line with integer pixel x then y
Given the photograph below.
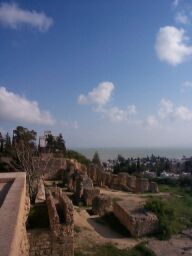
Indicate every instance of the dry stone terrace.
{"type": "Point", "coordinates": [138, 221]}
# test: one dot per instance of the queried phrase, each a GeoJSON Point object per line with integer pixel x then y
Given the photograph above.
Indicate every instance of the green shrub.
{"type": "Point", "coordinates": [166, 215]}
{"type": "Point", "coordinates": [111, 250]}
{"type": "Point", "coordinates": [77, 229]}
{"type": "Point", "coordinates": [78, 156]}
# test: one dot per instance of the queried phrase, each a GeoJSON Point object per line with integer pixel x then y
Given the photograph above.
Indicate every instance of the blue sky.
{"type": "Point", "coordinates": [103, 72]}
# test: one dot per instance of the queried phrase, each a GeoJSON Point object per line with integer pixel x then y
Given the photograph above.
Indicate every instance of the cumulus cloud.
{"type": "Point", "coordinates": [116, 114]}
{"type": "Point", "coordinates": [12, 16]}
{"type": "Point", "coordinates": [166, 108]}
{"type": "Point", "coordinates": [182, 18]}
{"type": "Point", "coordinates": [169, 110]}
{"type": "Point", "coordinates": [171, 45]}
{"type": "Point", "coordinates": [187, 84]}
{"type": "Point", "coordinates": [176, 3]}
{"type": "Point", "coordinates": [16, 108]}
{"type": "Point", "coordinates": [100, 95]}
{"type": "Point", "coordinates": [151, 122]}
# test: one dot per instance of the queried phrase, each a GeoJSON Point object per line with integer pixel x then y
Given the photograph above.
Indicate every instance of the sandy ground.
{"type": "Point", "coordinates": [92, 233]}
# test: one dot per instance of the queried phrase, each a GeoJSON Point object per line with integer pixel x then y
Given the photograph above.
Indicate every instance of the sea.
{"type": "Point", "coordinates": [112, 153]}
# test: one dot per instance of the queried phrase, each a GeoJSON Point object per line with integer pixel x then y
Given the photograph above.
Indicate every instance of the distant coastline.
{"type": "Point", "coordinates": [111, 153]}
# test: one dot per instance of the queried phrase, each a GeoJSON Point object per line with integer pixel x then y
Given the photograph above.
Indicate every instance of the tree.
{"type": "Point", "coordinates": [96, 159]}
{"type": "Point", "coordinates": [7, 144]}
{"type": "Point", "coordinates": [1, 143]}
{"type": "Point", "coordinates": [24, 145]}
{"type": "Point", "coordinates": [60, 144]}
{"type": "Point", "coordinates": [50, 140]}
{"type": "Point", "coordinates": [21, 134]}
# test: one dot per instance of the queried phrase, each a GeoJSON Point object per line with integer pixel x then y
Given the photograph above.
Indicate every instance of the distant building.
{"type": "Point", "coordinates": [43, 140]}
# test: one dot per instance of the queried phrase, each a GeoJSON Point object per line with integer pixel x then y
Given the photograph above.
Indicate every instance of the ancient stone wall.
{"type": "Point", "coordinates": [138, 221]}
{"type": "Point", "coordinates": [53, 168]}
{"type": "Point", "coordinates": [101, 205]}
{"type": "Point", "coordinates": [58, 240]}
{"type": "Point", "coordinates": [13, 215]}
{"type": "Point", "coordinates": [89, 194]}
{"type": "Point", "coordinates": [121, 181]}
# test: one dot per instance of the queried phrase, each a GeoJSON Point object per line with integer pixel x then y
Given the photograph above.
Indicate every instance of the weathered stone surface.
{"type": "Point", "coordinates": [153, 187]}
{"type": "Point", "coordinates": [13, 215]}
{"type": "Point", "coordinates": [122, 181]}
{"type": "Point", "coordinates": [138, 221]}
{"type": "Point", "coordinates": [142, 185]}
{"type": "Point", "coordinates": [131, 182]}
{"type": "Point", "coordinates": [89, 194]}
{"type": "Point", "coordinates": [58, 240]}
{"type": "Point", "coordinates": [40, 197]}
{"type": "Point", "coordinates": [101, 205]}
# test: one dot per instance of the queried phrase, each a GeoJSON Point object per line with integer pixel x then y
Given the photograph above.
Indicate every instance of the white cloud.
{"type": "Point", "coordinates": [182, 18]}
{"type": "Point", "coordinates": [100, 95]}
{"type": "Point", "coordinates": [168, 110]}
{"type": "Point", "coordinates": [151, 122]}
{"type": "Point", "coordinates": [16, 108]}
{"type": "Point", "coordinates": [12, 16]}
{"type": "Point", "coordinates": [116, 114]}
{"type": "Point", "coordinates": [176, 3]}
{"type": "Point", "coordinates": [69, 125]}
{"type": "Point", "coordinates": [171, 45]}
{"type": "Point", "coordinates": [187, 84]}
{"type": "Point", "coordinates": [183, 113]}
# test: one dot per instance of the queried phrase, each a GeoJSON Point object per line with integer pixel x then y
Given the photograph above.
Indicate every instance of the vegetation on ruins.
{"type": "Point", "coordinates": [109, 249]}
{"type": "Point", "coordinates": [20, 154]}
{"type": "Point", "coordinates": [166, 216]}
{"type": "Point", "coordinates": [174, 211]}
{"type": "Point", "coordinates": [71, 154]}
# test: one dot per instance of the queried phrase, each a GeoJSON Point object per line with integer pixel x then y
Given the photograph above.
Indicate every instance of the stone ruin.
{"type": "Point", "coordinates": [137, 220]}
{"type": "Point", "coordinates": [85, 190]}
{"type": "Point", "coordinates": [121, 181]}
{"type": "Point", "coordinates": [40, 197]}
{"type": "Point", "coordinates": [58, 240]}
{"type": "Point", "coordinates": [101, 205]}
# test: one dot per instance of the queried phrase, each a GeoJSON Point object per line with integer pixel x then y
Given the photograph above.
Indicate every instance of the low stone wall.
{"type": "Point", "coordinates": [53, 168]}
{"type": "Point", "coordinates": [13, 215]}
{"type": "Point", "coordinates": [89, 194]}
{"type": "Point", "coordinates": [58, 240]}
{"type": "Point", "coordinates": [138, 221]}
{"type": "Point", "coordinates": [40, 242]}
{"type": "Point", "coordinates": [121, 181]}
{"type": "Point", "coordinates": [101, 204]}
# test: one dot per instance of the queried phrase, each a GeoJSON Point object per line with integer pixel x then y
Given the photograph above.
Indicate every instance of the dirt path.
{"type": "Point", "coordinates": [92, 232]}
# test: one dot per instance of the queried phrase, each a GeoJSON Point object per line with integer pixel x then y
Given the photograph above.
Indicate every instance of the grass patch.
{"type": "Point", "coordinates": [174, 212]}
{"type": "Point", "coordinates": [77, 229]}
{"type": "Point", "coordinates": [38, 217]}
{"type": "Point", "coordinates": [112, 250]}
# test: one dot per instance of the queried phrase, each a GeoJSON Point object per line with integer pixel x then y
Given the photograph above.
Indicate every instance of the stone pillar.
{"type": "Point", "coordinates": [142, 185]}
{"type": "Point", "coordinates": [153, 187]}
{"type": "Point", "coordinates": [101, 205]}
{"type": "Point", "coordinates": [131, 182]}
